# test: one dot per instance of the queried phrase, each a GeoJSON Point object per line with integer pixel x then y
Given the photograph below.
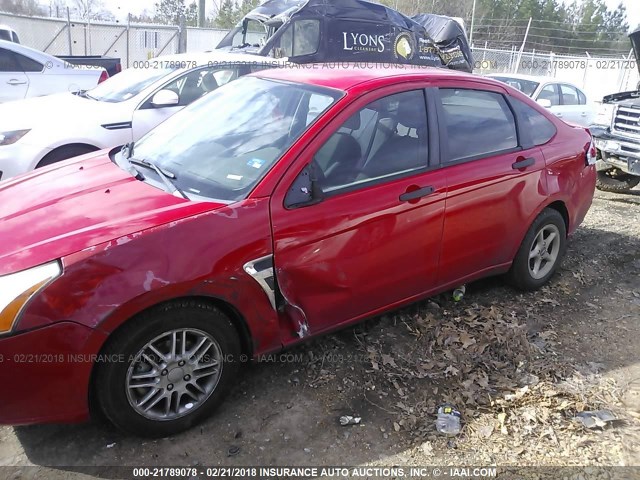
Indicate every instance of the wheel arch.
{"type": "Point", "coordinates": [236, 318]}
{"type": "Point", "coordinates": [88, 146]}
{"type": "Point", "coordinates": [561, 208]}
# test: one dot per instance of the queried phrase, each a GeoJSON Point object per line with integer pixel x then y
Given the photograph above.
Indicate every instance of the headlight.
{"type": "Point", "coordinates": [17, 288]}
{"type": "Point", "coordinates": [9, 138]}
{"type": "Point", "coordinates": [605, 114]}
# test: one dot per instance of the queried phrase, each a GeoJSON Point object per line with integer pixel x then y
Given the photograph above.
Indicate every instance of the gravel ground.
{"type": "Point", "coordinates": [518, 366]}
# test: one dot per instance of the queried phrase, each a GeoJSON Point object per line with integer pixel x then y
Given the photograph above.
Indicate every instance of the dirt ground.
{"type": "Point", "coordinates": [518, 366]}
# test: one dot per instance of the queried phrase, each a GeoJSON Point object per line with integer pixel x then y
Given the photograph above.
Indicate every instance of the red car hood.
{"type": "Point", "coordinates": [73, 205]}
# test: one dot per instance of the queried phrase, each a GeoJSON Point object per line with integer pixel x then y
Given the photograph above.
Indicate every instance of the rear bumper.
{"type": "Point", "coordinates": [45, 375]}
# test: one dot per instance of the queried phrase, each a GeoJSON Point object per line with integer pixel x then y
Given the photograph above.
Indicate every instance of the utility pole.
{"type": "Point", "coordinates": [201, 14]}
{"type": "Point", "coordinates": [526, 34]}
{"type": "Point", "coordinates": [473, 20]}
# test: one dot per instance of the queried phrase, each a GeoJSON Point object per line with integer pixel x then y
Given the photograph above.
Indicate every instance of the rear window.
{"type": "Point", "coordinates": [539, 127]}
{"type": "Point", "coordinates": [478, 123]}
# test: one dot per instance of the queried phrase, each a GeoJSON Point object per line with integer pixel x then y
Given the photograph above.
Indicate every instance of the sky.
{"type": "Point", "coordinates": [121, 8]}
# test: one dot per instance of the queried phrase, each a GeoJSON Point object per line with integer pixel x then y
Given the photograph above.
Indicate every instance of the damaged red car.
{"type": "Point", "coordinates": [279, 207]}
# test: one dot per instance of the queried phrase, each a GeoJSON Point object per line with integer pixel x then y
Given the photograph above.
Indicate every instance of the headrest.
{"type": "Point", "coordinates": [210, 82]}
{"type": "Point", "coordinates": [353, 123]}
{"type": "Point", "coordinates": [411, 114]}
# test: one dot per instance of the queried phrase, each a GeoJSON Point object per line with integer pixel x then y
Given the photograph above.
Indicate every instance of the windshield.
{"type": "Point", "coordinates": [222, 145]}
{"type": "Point", "coordinates": [248, 33]}
{"type": "Point", "coordinates": [525, 86]}
{"type": "Point", "coordinates": [127, 84]}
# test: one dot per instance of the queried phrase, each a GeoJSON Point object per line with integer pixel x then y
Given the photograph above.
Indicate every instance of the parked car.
{"type": "Point", "coordinates": [42, 131]}
{"type": "Point", "coordinates": [616, 131]}
{"type": "Point", "coordinates": [9, 34]}
{"type": "Point", "coordinates": [284, 205]}
{"type": "Point", "coordinates": [563, 99]}
{"type": "Point", "coordinates": [25, 72]}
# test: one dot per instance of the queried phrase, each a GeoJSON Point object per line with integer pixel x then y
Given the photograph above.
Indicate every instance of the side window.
{"type": "Point", "coordinates": [306, 37]}
{"type": "Point", "coordinates": [386, 138]}
{"type": "Point", "coordinates": [539, 127]}
{"type": "Point", "coordinates": [582, 98]}
{"type": "Point", "coordinates": [477, 123]}
{"type": "Point", "coordinates": [27, 64]}
{"type": "Point", "coordinates": [8, 61]}
{"type": "Point", "coordinates": [302, 37]}
{"type": "Point", "coordinates": [549, 92]}
{"type": "Point", "coordinates": [569, 95]}
{"type": "Point", "coordinates": [197, 83]}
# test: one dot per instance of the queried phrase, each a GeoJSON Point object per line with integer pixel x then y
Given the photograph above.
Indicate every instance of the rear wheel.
{"type": "Point", "coordinates": [64, 153]}
{"type": "Point", "coordinates": [541, 251]}
{"type": "Point", "coordinates": [615, 181]}
{"type": "Point", "coordinates": [174, 365]}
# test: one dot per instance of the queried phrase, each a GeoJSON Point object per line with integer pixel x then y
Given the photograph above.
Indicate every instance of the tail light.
{"type": "Point", "coordinates": [103, 76]}
{"type": "Point", "coordinates": [591, 153]}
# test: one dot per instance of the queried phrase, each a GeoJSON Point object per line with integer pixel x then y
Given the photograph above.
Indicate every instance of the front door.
{"type": "Point", "coordinates": [373, 241]}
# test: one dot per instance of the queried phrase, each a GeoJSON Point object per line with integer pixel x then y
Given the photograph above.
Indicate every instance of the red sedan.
{"type": "Point", "coordinates": [280, 207]}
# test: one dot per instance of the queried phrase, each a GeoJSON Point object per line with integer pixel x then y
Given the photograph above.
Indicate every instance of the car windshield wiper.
{"type": "Point", "coordinates": [166, 176]}
{"type": "Point", "coordinates": [84, 94]}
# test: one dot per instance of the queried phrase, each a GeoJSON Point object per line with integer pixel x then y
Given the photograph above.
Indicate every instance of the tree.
{"type": "Point", "coordinates": [92, 10]}
{"type": "Point", "coordinates": [22, 7]}
{"type": "Point", "coordinates": [228, 14]}
{"type": "Point", "coordinates": [168, 12]}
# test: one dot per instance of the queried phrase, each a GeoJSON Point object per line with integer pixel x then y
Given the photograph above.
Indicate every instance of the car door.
{"type": "Point", "coordinates": [189, 87]}
{"type": "Point", "coordinates": [573, 105]}
{"type": "Point", "coordinates": [13, 81]}
{"type": "Point", "coordinates": [495, 181]}
{"type": "Point", "coordinates": [40, 83]}
{"type": "Point", "coordinates": [372, 241]}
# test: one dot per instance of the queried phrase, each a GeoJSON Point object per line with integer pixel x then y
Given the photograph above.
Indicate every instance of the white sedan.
{"type": "Point", "coordinates": [563, 99]}
{"type": "Point", "coordinates": [41, 131]}
{"type": "Point", "coordinates": [25, 72]}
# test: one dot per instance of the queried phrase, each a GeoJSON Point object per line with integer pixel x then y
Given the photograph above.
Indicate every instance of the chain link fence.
{"type": "Point", "coordinates": [597, 76]}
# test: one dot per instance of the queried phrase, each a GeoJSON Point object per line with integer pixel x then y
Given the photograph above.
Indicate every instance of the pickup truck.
{"type": "Point", "coordinates": [110, 64]}
{"type": "Point", "coordinates": [617, 135]}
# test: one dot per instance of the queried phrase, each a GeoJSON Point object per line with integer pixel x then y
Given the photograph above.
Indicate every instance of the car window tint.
{"type": "Point", "coordinates": [386, 138]}
{"type": "Point", "coordinates": [7, 61]}
{"type": "Point", "coordinates": [27, 64]}
{"type": "Point", "coordinates": [538, 126]}
{"type": "Point", "coordinates": [569, 95]}
{"type": "Point", "coordinates": [197, 83]}
{"type": "Point", "coordinates": [477, 123]}
{"type": "Point", "coordinates": [549, 93]}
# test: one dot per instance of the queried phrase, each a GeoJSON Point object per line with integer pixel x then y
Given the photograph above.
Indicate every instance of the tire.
{"type": "Point", "coordinates": [618, 184]}
{"type": "Point", "coordinates": [124, 367]}
{"type": "Point", "coordinates": [64, 153]}
{"type": "Point", "coordinates": [523, 274]}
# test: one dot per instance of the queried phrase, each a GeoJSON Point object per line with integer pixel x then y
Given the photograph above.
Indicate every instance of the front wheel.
{"type": "Point", "coordinates": [173, 365]}
{"type": "Point", "coordinates": [541, 251]}
{"type": "Point", "coordinates": [616, 183]}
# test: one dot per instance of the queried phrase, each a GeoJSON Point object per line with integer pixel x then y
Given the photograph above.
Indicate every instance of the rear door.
{"type": "Point", "coordinates": [373, 240]}
{"type": "Point", "coordinates": [495, 178]}
{"type": "Point", "coordinates": [13, 81]}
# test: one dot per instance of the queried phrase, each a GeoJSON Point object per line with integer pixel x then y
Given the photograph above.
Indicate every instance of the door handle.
{"type": "Point", "coordinates": [559, 115]}
{"type": "Point", "coordinates": [14, 81]}
{"type": "Point", "coordinates": [524, 163]}
{"type": "Point", "coordinates": [416, 194]}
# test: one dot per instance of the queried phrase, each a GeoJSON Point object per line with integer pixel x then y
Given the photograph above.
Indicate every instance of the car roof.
{"type": "Point", "coordinates": [28, 51]}
{"type": "Point", "coordinates": [219, 56]}
{"type": "Point", "coordinates": [344, 76]}
{"type": "Point", "coordinates": [521, 76]}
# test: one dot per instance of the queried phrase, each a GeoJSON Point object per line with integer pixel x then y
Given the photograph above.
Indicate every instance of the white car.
{"type": "Point", "coordinates": [41, 131]}
{"type": "Point", "coordinates": [563, 99]}
{"type": "Point", "coordinates": [25, 72]}
{"type": "Point", "coordinates": [9, 34]}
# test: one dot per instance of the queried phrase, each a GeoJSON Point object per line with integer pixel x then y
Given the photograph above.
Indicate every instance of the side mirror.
{"type": "Point", "coordinates": [165, 98]}
{"type": "Point", "coordinates": [544, 102]}
{"type": "Point", "coordinates": [305, 189]}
